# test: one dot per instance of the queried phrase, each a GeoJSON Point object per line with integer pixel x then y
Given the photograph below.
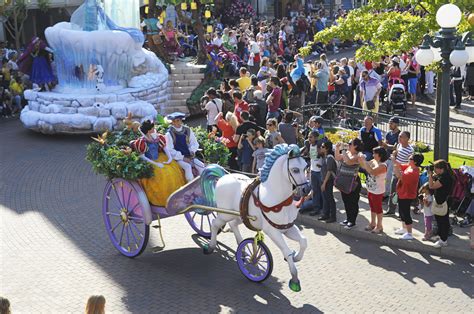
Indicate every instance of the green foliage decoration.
{"type": "Point", "coordinates": [110, 161]}
{"type": "Point", "coordinates": [421, 147]}
{"type": "Point", "coordinates": [213, 150]}
{"type": "Point", "coordinates": [389, 32]}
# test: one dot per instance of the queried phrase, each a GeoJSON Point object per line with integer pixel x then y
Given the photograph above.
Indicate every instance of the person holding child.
{"type": "Point", "coordinates": [376, 175]}
{"type": "Point", "coordinates": [247, 148]}
{"type": "Point", "coordinates": [183, 145]}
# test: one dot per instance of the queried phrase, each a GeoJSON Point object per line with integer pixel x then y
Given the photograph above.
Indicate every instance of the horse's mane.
{"type": "Point", "coordinates": [271, 157]}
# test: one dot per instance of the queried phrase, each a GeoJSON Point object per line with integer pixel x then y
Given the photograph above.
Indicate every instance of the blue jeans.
{"type": "Point", "coordinates": [275, 115]}
{"type": "Point", "coordinates": [317, 195]}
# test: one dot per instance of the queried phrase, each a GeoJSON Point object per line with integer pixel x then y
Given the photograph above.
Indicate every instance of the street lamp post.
{"type": "Point", "coordinates": [454, 50]}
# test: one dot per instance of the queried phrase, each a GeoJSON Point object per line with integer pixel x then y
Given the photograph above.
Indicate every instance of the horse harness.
{"type": "Point", "coordinates": [244, 206]}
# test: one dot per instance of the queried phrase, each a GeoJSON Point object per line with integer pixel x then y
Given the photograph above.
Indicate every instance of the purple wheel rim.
{"type": "Point", "coordinates": [255, 267]}
{"type": "Point", "coordinates": [123, 218]}
{"type": "Point", "coordinates": [201, 221]}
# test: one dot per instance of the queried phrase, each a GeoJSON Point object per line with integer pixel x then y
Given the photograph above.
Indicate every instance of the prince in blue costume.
{"type": "Point", "coordinates": [182, 144]}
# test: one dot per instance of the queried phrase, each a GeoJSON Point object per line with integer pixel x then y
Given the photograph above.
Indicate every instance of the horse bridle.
{"type": "Point", "coordinates": [292, 155]}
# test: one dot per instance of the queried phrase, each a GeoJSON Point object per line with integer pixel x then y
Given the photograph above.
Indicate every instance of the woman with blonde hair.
{"type": "Point", "coordinates": [228, 126]}
{"type": "Point", "coordinates": [95, 305]}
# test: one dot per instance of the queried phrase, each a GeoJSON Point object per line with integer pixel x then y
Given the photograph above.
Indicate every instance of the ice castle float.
{"type": "Point", "coordinates": [103, 74]}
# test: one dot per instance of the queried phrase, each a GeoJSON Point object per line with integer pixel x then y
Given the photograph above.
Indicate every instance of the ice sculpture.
{"type": "Point", "coordinates": [124, 13]}
{"type": "Point", "coordinates": [91, 43]}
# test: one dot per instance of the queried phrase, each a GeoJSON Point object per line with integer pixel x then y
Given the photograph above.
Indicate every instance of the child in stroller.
{"type": "Point", "coordinates": [397, 100]}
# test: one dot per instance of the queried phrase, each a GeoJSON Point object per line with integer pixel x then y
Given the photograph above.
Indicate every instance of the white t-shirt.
{"type": "Point", "coordinates": [217, 41]}
{"type": "Point", "coordinates": [376, 184]}
{"type": "Point", "coordinates": [427, 209]}
{"type": "Point", "coordinates": [213, 107]}
{"type": "Point", "coordinates": [316, 162]}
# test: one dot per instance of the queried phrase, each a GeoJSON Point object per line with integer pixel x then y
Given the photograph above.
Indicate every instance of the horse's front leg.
{"type": "Point", "coordinates": [295, 234]}
{"type": "Point", "coordinates": [277, 238]}
{"type": "Point", "coordinates": [216, 225]}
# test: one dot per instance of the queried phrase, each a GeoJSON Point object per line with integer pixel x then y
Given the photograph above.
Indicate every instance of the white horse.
{"type": "Point", "coordinates": [283, 171]}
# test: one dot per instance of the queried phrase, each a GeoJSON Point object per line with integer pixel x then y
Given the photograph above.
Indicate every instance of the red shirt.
{"type": "Point", "coordinates": [227, 132]}
{"type": "Point", "coordinates": [239, 107]}
{"type": "Point", "coordinates": [275, 105]}
{"type": "Point", "coordinates": [407, 187]}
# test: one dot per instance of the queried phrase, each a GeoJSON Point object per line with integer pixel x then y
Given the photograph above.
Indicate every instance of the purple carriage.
{"type": "Point", "coordinates": [128, 215]}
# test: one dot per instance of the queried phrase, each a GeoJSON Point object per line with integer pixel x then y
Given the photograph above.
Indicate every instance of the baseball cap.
{"type": "Point", "coordinates": [395, 120]}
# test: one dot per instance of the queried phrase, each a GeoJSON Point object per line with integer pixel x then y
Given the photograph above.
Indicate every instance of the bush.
{"type": "Point", "coordinates": [345, 136]}
{"type": "Point", "coordinates": [421, 147]}
{"type": "Point", "coordinates": [194, 101]}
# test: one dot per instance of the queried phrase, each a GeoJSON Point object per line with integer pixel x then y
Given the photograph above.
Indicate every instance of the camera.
{"type": "Point", "coordinates": [430, 167]}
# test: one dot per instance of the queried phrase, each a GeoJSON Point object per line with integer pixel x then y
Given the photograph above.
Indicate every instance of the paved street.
{"type": "Point", "coordinates": [54, 253]}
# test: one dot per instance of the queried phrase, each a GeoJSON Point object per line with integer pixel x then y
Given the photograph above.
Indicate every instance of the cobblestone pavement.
{"type": "Point", "coordinates": [54, 253]}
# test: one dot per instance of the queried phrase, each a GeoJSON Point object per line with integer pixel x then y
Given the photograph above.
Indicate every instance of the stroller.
{"type": "Point", "coordinates": [397, 99]}
{"type": "Point", "coordinates": [461, 197]}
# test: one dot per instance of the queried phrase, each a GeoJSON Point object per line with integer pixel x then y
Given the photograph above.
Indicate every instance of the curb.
{"type": "Point", "coordinates": [412, 245]}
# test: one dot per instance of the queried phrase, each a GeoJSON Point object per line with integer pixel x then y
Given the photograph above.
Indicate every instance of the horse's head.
{"type": "Point", "coordinates": [296, 169]}
{"type": "Point", "coordinates": [286, 166]}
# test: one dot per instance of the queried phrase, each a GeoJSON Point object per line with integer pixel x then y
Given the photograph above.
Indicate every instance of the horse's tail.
{"type": "Point", "coordinates": [209, 178]}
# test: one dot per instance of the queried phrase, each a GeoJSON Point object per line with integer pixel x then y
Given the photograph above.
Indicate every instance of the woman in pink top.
{"type": "Point", "coordinates": [171, 39]}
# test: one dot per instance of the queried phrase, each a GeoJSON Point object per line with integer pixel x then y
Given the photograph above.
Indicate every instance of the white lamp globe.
{"type": "Point", "coordinates": [448, 16]}
{"type": "Point", "coordinates": [470, 52]}
{"type": "Point", "coordinates": [458, 57]}
{"type": "Point", "coordinates": [437, 54]}
{"type": "Point", "coordinates": [424, 56]}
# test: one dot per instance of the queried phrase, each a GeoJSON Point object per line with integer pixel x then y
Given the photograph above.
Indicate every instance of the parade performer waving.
{"type": "Point", "coordinates": [182, 144]}
{"type": "Point", "coordinates": [167, 175]}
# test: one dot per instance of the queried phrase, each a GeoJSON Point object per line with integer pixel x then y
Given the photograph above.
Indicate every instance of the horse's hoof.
{"type": "Point", "coordinates": [206, 250]}
{"type": "Point", "coordinates": [295, 285]}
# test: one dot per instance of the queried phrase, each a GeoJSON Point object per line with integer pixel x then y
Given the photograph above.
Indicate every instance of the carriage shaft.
{"type": "Point", "coordinates": [215, 209]}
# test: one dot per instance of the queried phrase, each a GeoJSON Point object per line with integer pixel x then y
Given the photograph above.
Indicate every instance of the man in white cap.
{"type": "Point", "coordinates": [182, 144]}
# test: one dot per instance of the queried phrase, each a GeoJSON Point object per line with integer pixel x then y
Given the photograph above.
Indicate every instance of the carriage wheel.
{"type": "Point", "coordinates": [123, 217]}
{"type": "Point", "coordinates": [255, 263]}
{"type": "Point", "coordinates": [201, 221]}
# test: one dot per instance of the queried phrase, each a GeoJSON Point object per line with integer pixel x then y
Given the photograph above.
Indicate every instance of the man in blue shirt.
{"type": "Point", "coordinates": [371, 137]}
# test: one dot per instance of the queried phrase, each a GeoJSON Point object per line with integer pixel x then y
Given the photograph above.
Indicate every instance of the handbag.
{"type": "Point", "coordinates": [346, 179]}
{"type": "Point", "coordinates": [439, 209]}
{"type": "Point", "coordinates": [370, 104]}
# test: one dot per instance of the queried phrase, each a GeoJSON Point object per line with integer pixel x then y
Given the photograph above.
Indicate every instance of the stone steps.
{"type": "Point", "coordinates": [183, 80]}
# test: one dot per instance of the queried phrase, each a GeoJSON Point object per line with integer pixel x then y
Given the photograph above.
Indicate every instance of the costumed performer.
{"type": "Point", "coordinates": [183, 145]}
{"type": "Point", "coordinates": [167, 174]}
{"type": "Point", "coordinates": [36, 63]}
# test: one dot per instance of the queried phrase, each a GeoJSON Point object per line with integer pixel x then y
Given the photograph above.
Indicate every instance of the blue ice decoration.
{"type": "Point", "coordinates": [74, 62]}
{"type": "Point", "coordinates": [209, 177]}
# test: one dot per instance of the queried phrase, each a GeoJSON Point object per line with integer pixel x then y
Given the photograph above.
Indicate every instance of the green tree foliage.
{"type": "Point", "coordinates": [387, 32]}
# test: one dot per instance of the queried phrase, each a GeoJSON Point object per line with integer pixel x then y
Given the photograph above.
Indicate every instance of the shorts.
{"type": "Point", "coordinates": [376, 108]}
{"type": "Point", "coordinates": [412, 85]}
{"type": "Point", "coordinates": [375, 202]}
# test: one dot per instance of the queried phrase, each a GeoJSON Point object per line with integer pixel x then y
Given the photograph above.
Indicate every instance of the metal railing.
{"type": "Point", "coordinates": [460, 138]}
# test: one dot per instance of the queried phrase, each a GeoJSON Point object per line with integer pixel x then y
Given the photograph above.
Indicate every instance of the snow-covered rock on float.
{"type": "Point", "coordinates": [103, 74]}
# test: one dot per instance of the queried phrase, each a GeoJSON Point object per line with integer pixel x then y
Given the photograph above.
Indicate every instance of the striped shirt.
{"type": "Point", "coordinates": [403, 153]}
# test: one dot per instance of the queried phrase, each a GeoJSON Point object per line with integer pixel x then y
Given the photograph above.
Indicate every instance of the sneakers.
{"type": "Point", "coordinates": [343, 223]}
{"type": "Point", "coordinates": [406, 236]}
{"type": "Point", "coordinates": [349, 225]}
{"type": "Point", "coordinates": [400, 231]}
{"type": "Point", "coordinates": [440, 243]}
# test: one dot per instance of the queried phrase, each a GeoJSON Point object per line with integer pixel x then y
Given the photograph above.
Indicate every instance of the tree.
{"type": "Point", "coordinates": [16, 13]}
{"type": "Point", "coordinates": [385, 30]}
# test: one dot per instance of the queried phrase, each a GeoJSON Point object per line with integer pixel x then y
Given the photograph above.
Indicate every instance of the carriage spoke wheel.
{"type": "Point", "coordinates": [254, 261]}
{"type": "Point", "coordinates": [201, 221]}
{"type": "Point", "coordinates": [123, 218]}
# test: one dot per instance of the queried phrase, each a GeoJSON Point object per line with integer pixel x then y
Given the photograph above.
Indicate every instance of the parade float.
{"type": "Point", "coordinates": [103, 73]}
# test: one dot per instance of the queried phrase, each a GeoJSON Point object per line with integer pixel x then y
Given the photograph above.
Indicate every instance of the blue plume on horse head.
{"type": "Point", "coordinates": [279, 150]}
{"type": "Point", "coordinates": [209, 177]}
